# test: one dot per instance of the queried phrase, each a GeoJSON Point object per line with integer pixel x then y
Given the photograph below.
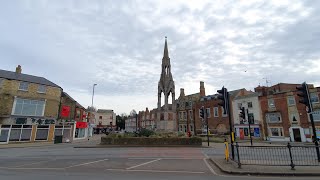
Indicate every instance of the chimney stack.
{"type": "Point", "coordinates": [18, 69]}
{"type": "Point", "coordinates": [202, 90]}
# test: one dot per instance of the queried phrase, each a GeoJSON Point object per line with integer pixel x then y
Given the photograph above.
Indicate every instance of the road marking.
{"type": "Point", "coordinates": [30, 164]}
{"type": "Point", "coordinates": [209, 167]}
{"type": "Point", "coordinates": [143, 164]}
{"type": "Point", "coordinates": [169, 158]}
{"type": "Point", "coordinates": [159, 171]}
{"type": "Point", "coordinates": [206, 155]}
{"type": "Point", "coordinates": [87, 163]}
{"type": "Point", "coordinates": [37, 168]}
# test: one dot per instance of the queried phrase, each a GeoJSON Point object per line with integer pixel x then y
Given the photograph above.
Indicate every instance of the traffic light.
{"type": "Point", "coordinates": [242, 113]}
{"type": "Point", "coordinates": [223, 96]}
{"type": "Point", "coordinates": [303, 92]}
{"type": "Point", "coordinates": [202, 112]}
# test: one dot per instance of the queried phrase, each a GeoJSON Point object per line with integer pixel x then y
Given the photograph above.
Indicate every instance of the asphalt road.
{"type": "Point", "coordinates": [65, 162]}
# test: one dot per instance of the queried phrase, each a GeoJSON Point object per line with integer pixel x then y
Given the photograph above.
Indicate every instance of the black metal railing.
{"type": "Point", "coordinates": [282, 155]}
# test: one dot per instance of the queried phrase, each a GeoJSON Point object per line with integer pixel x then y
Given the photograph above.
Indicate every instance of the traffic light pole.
{"type": "Point", "coordinates": [315, 136]}
{"type": "Point", "coordinates": [310, 109]}
{"type": "Point", "coordinates": [205, 116]}
{"type": "Point", "coordinates": [230, 125]}
{"type": "Point", "coordinates": [249, 127]}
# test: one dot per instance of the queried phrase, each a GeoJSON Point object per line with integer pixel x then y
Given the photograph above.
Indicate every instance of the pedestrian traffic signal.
{"type": "Point", "coordinates": [242, 113]}
{"type": "Point", "coordinates": [303, 93]}
{"type": "Point", "coordinates": [223, 96]}
{"type": "Point", "coordinates": [202, 112]}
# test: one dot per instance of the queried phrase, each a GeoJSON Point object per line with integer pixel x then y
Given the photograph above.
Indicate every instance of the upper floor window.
{"type": "Point", "coordinates": [208, 112]}
{"type": "Point", "coordinates": [190, 115]}
{"type": "Point", "coordinates": [42, 89]}
{"type": "Point", "coordinates": [271, 103]}
{"type": "Point", "coordinates": [224, 113]}
{"type": "Point", "coordinates": [251, 118]}
{"type": "Point", "coordinates": [184, 115]}
{"type": "Point", "coordinates": [314, 98]}
{"type": "Point", "coordinates": [273, 117]}
{"type": "Point", "coordinates": [215, 112]}
{"type": "Point", "coordinates": [28, 107]}
{"type": "Point", "coordinates": [249, 104]}
{"type": "Point", "coordinates": [1, 82]}
{"type": "Point", "coordinates": [24, 86]}
{"type": "Point", "coordinates": [291, 101]}
{"type": "Point", "coordinates": [239, 105]}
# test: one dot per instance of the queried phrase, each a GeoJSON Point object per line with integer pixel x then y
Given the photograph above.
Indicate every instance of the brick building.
{"type": "Point", "coordinates": [185, 110]}
{"type": "Point", "coordinates": [284, 118]}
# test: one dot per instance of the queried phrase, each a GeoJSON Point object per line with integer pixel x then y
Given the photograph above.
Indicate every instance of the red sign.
{"type": "Point", "coordinates": [81, 125]}
{"type": "Point", "coordinates": [241, 133]}
{"type": "Point", "coordinates": [65, 111]}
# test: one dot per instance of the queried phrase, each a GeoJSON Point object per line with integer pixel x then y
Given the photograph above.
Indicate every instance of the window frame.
{"type": "Point", "coordinates": [190, 114]}
{"type": "Point", "coordinates": [13, 112]}
{"type": "Point", "coordinates": [269, 103]}
{"type": "Point", "coordinates": [208, 114]}
{"type": "Point", "coordinates": [21, 83]}
{"type": "Point", "coordinates": [315, 94]}
{"type": "Point", "coordinates": [280, 131]}
{"type": "Point", "coordinates": [291, 98]}
{"type": "Point", "coordinates": [1, 82]}
{"type": "Point", "coordinates": [214, 111]}
{"type": "Point", "coordinates": [42, 92]}
{"type": "Point", "coordinates": [268, 117]}
{"type": "Point", "coordinates": [223, 114]}
{"type": "Point", "coordinates": [249, 106]}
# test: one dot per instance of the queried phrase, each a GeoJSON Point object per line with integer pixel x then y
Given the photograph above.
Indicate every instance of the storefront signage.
{"type": "Point", "coordinates": [65, 111]}
{"type": "Point", "coordinates": [81, 125]}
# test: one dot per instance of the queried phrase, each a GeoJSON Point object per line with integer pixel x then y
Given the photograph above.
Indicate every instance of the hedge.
{"type": "Point", "coordinates": [152, 141]}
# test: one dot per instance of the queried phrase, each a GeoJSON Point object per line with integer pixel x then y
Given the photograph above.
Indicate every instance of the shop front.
{"type": "Point", "coordinates": [243, 132]}
{"type": "Point", "coordinates": [81, 130]}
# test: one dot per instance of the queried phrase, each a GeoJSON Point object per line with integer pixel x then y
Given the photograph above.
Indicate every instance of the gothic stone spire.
{"type": "Point", "coordinates": [166, 83]}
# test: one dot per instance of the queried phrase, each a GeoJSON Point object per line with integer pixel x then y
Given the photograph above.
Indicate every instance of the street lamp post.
{"type": "Point", "coordinates": [91, 110]}
{"type": "Point", "coordinates": [92, 94]}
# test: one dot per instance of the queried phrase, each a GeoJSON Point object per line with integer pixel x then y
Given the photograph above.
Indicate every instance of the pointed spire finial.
{"type": "Point", "coordinates": [165, 53]}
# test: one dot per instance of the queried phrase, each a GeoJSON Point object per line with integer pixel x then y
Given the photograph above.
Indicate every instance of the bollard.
{"type": "Point", "coordinates": [226, 150]}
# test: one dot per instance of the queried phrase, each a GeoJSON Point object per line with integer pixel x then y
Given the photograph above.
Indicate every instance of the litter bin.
{"type": "Point", "coordinates": [57, 139]}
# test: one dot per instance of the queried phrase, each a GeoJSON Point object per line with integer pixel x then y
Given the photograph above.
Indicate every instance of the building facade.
{"type": "Point", "coordinates": [185, 105]}
{"type": "Point", "coordinates": [285, 119]}
{"type": "Point", "coordinates": [29, 107]}
{"type": "Point", "coordinates": [105, 118]}
{"type": "Point", "coordinates": [250, 102]}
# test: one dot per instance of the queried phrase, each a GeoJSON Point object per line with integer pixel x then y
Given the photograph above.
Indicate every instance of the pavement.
{"type": "Point", "coordinates": [232, 168]}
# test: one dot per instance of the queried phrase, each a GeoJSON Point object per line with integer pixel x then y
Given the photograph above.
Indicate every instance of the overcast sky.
{"type": "Point", "coordinates": [119, 45]}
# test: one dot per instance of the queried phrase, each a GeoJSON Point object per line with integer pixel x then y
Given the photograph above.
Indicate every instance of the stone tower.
{"type": "Point", "coordinates": [166, 113]}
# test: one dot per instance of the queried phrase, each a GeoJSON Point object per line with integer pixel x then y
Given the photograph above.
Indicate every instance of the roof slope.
{"type": "Point", "coordinates": [26, 78]}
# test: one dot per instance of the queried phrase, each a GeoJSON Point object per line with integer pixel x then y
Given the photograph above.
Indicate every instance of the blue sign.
{"type": "Point", "coordinates": [256, 132]}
